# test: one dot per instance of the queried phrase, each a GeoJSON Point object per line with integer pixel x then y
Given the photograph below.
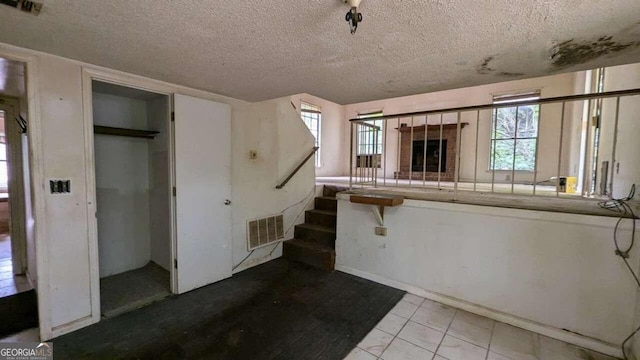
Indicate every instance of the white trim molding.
{"type": "Point", "coordinates": [36, 155]}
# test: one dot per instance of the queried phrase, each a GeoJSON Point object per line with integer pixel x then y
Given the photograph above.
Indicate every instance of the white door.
{"type": "Point", "coordinates": [203, 186]}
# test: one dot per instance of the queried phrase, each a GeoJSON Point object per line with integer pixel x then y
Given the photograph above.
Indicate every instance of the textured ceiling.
{"type": "Point", "coordinates": [257, 50]}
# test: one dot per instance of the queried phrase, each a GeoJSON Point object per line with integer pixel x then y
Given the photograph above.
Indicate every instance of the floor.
{"type": "Point", "coordinates": [502, 188]}
{"type": "Point", "coordinates": [5, 246]}
{"type": "Point", "coordinates": [29, 335]}
{"type": "Point", "coordinates": [565, 203]}
{"type": "Point", "coordinates": [277, 310]}
{"type": "Point", "coordinates": [417, 329]}
{"type": "Point", "coordinates": [10, 284]}
{"type": "Point", "coordinates": [18, 302]}
{"type": "Point", "coordinates": [132, 289]}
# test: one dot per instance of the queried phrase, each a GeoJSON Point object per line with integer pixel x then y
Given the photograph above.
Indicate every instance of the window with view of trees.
{"type": "Point", "coordinates": [312, 117]}
{"type": "Point", "coordinates": [369, 139]}
{"type": "Point", "coordinates": [514, 133]}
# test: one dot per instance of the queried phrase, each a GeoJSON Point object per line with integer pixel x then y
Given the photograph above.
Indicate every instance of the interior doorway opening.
{"type": "Point", "coordinates": [133, 196]}
{"type": "Point", "coordinates": [18, 300]}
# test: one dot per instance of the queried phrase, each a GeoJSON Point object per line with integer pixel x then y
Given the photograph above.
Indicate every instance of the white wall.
{"type": "Point", "coordinates": [274, 129]}
{"type": "Point", "coordinates": [122, 186]}
{"type": "Point", "coordinates": [334, 151]}
{"type": "Point", "coordinates": [628, 147]}
{"type": "Point", "coordinates": [64, 261]}
{"type": "Point", "coordinates": [549, 86]}
{"type": "Point", "coordinates": [553, 269]}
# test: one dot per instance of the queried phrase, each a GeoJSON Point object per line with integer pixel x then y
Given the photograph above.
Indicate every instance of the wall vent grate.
{"type": "Point", "coordinates": [24, 5]}
{"type": "Point", "coordinates": [264, 231]}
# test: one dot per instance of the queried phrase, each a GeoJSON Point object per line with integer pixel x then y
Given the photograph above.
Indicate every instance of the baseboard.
{"type": "Point", "coordinates": [552, 332]}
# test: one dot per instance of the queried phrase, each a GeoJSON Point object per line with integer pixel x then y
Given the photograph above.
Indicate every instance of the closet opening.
{"type": "Point", "coordinates": [133, 196]}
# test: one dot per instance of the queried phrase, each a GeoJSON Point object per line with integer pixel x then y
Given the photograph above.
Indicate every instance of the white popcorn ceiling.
{"type": "Point", "coordinates": [258, 50]}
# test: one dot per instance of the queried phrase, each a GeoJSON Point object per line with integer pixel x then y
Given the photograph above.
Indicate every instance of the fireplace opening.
{"type": "Point", "coordinates": [433, 146]}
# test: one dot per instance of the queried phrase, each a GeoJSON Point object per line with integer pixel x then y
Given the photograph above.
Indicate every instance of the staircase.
{"type": "Point", "coordinates": [314, 241]}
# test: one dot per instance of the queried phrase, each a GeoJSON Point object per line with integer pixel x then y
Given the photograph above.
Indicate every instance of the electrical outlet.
{"type": "Point", "coordinates": [253, 155]}
{"type": "Point", "coordinates": [381, 231]}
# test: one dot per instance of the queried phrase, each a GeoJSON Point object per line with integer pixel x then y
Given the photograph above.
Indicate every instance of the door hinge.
{"type": "Point", "coordinates": [174, 191]}
{"type": "Point", "coordinates": [175, 263]}
{"type": "Point", "coordinates": [173, 116]}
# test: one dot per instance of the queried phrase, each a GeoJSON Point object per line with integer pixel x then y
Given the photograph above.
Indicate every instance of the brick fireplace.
{"type": "Point", "coordinates": [412, 152]}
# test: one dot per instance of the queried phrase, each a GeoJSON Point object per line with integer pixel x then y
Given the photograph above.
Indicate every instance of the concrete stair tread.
{"type": "Point", "coordinates": [310, 245]}
{"type": "Point", "coordinates": [331, 191]}
{"type": "Point", "coordinates": [314, 240]}
{"type": "Point", "coordinates": [323, 212]}
{"type": "Point", "coordinates": [327, 198]}
{"type": "Point", "coordinates": [311, 253]}
{"type": "Point", "coordinates": [326, 203]}
{"type": "Point", "coordinates": [317, 228]}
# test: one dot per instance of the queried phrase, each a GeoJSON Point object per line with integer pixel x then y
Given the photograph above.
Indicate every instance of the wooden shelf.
{"type": "Point", "coordinates": [106, 130]}
{"type": "Point", "coordinates": [379, 200]}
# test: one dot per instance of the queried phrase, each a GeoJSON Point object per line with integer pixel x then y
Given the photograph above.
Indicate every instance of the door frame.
{"type": "Point", "coordinates": [121, 79]}
{"type": "Point", "coordinates": [15, 186]}
{"type": "Point", "coordinates": [39, 189]}
{"type": "Point", "coordinates": [36, 173]}
{"type": "Point", "coordinates": [200, 257]}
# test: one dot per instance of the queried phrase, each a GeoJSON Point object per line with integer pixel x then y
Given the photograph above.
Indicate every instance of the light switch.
{"type": "Point", "coordinates": [60, 186]}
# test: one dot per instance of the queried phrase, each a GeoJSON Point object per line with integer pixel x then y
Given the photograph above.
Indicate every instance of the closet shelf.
{"type": "Point", "coordinates": [106, 130]}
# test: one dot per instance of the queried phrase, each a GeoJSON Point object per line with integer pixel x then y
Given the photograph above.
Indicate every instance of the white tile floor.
{"type": "Point", "coordinates": [417, 329]}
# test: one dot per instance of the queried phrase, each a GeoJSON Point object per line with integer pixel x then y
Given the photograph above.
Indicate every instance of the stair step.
{"type": "Point", "coordinates": [310, 253]}
{"type": "Point", "coordinates": [315, 233]}
{"type": "Point", "coordinates": [321, 217]}
{"type": "Point", "coordinates": [331, 191]}
{"type": "Point", "coordinates": [326, 203]}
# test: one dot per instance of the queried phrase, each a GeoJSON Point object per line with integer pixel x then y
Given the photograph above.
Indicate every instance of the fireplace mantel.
{"type": "Point", "coordinates": [439, 154]}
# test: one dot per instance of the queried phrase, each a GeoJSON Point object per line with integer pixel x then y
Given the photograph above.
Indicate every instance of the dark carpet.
{"type": "Point", "coordinates": [132, 289]}
{"type": "Point", "coordinates": [278, 310]}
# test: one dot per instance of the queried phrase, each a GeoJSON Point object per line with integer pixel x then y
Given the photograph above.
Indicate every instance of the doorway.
{"type": "Point", "coordinates": [133, 196]}
{"type": "Point", "coordinates": [12, 272]}
{"type": "Point", "coordinates": [161, 195]}
{"type": "Point", "coordinates": [18, 301]}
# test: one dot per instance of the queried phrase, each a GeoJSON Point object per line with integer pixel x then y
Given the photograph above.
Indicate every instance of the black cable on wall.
{"type": "Point", "coordinates": [626, 213]}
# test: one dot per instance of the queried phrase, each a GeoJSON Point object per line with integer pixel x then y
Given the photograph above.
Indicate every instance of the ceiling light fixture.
{"type": "Point", "coordinates": [353, 17]}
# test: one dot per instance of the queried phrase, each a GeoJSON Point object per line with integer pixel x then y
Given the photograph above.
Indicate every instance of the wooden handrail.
{"type": "Point", "coordinates": [297, 168]}
{"type": "Point", "coordinates": [602, 95]}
